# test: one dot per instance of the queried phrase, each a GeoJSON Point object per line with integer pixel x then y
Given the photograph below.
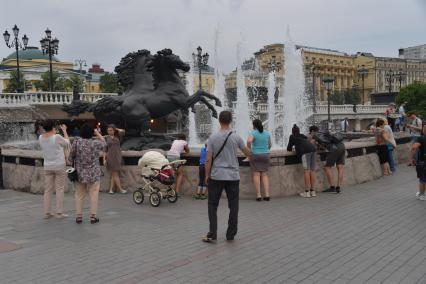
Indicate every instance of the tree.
{"type": "Point", "coordinates": [44, 85]}
{"type": "Point", "coordinates": [74, 81]}
{"type": "Point", "coordinates": [12, 85]}
{"type": "Point", "coordinates": [109, 83]}
{"type": "Point", "coordinates": [415, 96]}
{"type": "Point", "coordinates": [337, 98]}
{"type": "Point", "coordinates": [352, 97]}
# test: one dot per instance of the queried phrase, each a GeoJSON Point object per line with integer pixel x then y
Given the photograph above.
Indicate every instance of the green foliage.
{"type": "Point", "coordinates": [415, 96]}
{"type": "Point", "coordinates": [109, 83]}
{"type": "Point", "coordinates": [349, 97]}
{"type": "Point", "coordinates": [75, 81]}
{"type": "Point", "coordinates": [337, 98]}
{"type": "Point", "coordinates": [60, 84]}
{"type": "Point", "coordinates": [12, 85]}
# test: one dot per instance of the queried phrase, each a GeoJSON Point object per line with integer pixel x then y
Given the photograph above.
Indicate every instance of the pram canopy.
{"type": "Point", "coordinates": [152, 159]}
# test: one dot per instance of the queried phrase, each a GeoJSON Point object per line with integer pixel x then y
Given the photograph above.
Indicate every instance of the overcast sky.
{"type": "Point", "coordinates": [103, 31]}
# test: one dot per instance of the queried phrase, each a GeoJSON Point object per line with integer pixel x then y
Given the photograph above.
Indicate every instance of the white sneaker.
{"type": "Point", "coordinates": [417, 194]}
{"type": "Point", "coordinates": [305, 194]}
{"type": "Point", "coordinates": [313, 193]}
{"type": "Point", "coordinates": [422, 197]}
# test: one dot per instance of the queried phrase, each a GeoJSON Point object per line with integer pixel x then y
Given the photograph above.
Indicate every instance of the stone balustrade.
{"type": "Point", "coordinates": [46, 98]}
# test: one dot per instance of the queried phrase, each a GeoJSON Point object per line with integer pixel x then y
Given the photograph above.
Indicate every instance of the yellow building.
{"type": "Point", "coordinates": [388, 74]}
{"type": "Point", "coordinates": [327, 62]}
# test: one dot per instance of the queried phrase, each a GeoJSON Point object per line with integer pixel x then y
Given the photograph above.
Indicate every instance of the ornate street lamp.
{"type": "Point", "coordinates": [49, 46]}
{"type": "Point", "coordinates": [80, 62]}
{"type": "Point", "coordinates": [362, 72]}
{"type": "Point", "coordinates": [200, 60]}
{"type": "Point", "coordinates": [401, 77]}
{"type": "Point", "coordinates": [313, 68]}
{"type": "Point", "coordinates": [17, 45]}
{"type": "Point", "coordinates": [389, 78]}
{"type": "Point", "coordinates": [328, 84]}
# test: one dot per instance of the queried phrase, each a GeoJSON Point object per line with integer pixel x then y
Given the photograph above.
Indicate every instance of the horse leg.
{"type": "Point", "coordinates": [209, 105]}
{"type": "Point", "coordinates": [209, 96]}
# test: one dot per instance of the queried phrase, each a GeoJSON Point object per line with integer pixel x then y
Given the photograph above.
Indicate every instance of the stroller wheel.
{"type": "Point", "coordinates": [138, 196]}
{"type": "Point", "coordinates": [155, 199]}
{"type": "Point", "coordinates": [172, 196]}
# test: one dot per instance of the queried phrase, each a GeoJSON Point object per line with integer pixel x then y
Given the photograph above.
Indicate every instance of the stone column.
{"type": "Point", "coordinates": [357, 124]}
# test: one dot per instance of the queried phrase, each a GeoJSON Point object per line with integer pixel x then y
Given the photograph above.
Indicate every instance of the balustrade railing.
{"type": "Point", "coordinates": [47, 98]}
{"type": "Point", "coordinates": [322, 109]}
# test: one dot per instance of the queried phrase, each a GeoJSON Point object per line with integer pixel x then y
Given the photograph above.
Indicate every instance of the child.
{"type": "Point", "coordinates": [202, 187]}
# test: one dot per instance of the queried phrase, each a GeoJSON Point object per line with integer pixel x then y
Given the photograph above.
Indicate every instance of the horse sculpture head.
{"type": "Point", "coordinates": [132, 64]}
{"type": "Point", "coordinates": [164, 65]}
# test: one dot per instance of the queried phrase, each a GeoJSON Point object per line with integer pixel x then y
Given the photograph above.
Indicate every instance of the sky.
{"type": "Point", "coordinates": [103, 31]}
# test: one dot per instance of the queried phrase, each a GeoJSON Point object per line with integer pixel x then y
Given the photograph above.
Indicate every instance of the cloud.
{"type": "Point", "coordinates": [105, 30]}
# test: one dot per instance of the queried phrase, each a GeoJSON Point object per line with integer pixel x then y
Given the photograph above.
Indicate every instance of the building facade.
{"type": "Point", "coordinates": [413, 52]}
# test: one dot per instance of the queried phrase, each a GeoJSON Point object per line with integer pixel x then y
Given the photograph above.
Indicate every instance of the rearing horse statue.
{"type": "Point", "coordinates": [152, 89]}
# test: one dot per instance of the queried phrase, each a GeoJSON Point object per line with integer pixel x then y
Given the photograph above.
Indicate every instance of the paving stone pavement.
{"type": "Point", "coordinates": [372, 233]}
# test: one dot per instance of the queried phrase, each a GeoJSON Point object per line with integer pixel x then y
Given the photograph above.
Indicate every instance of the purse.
{"type": "Point", "coordinates": [72, 172]}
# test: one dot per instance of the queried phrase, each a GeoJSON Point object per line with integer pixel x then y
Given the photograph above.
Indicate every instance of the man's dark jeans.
{"type": "Point", "coordinates": [232, 189]}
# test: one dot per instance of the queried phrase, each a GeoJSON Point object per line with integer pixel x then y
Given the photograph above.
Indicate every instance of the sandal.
{"type": "Point", "coordinates": [48, 216]}
{"type": "Point", "coordinates": [61, 215]}
{"type": "Point", "coordinates": [79, 219]}
{"type": "Point", "coordinates": [110, 192]}
{"type": "Point", "coordinates": [94, 219]}
{"type": "Point", "coordinates": [209, 238]}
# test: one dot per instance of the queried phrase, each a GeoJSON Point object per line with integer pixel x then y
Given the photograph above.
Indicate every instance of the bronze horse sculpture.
{"type": "Point", "coordinates": [152, 89]}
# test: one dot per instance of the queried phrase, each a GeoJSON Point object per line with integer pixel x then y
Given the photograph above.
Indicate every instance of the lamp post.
{"type": "Point", "coordinates": [328, 84]}
{"type": "Point", "coordinates": [49, 46]}
{"type": "Point", "coordinates": [200, 60]}
{"type": "Point", "coordinates": [400, 76]}
{"type": "Point", "coordinates": [362, 72]}
{"type": "Point", "coordinates": [313, 68]}
{"type": "Point", "coordinates": [389, 78]}
{"type": "Point", "coordinates": [17, 45]}
{"type": "Point", "coordinates": [80, 63]}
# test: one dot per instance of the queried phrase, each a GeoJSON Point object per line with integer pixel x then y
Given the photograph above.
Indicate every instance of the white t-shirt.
{"type": "Point", "coordinates": [401, 111]}
{"type": "Point", "coordinates": [53, 151]}
{"type": "Point", "coordinates": [417, 123]}
{"type": "Point", "coordinates": [177, 147]}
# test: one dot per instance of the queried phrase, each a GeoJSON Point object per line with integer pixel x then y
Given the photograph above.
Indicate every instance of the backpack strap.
{"type": "Point", "coordinates": [221, 148]}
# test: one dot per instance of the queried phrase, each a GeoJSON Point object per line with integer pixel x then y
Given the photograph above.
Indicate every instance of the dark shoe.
{"type": "Point", "coordinates": [203, 197]}
{"type": "Point", "coordinates": [209, 238]}
{"type": "Point", "coordinates": [267, 198]}
{"type": "Point", "coordinates": [79, 220]}
{"type": "Point", "coordinates": [338, 189]}
{"type": "Point", "coordinates": [230, 235]}
{"type": "Point", "coordinates": [196, 196]}
{"type": "Point", "coordinates": [230, 238]}
{"type": "Point", "coordinates": [332, 189]}
{"type": "Point", "coordinates": [259, 199]}
{"type": "Point", "coordinates": [94, 220]}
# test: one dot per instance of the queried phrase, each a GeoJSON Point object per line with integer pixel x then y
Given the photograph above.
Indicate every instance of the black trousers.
{"type": "Point", "coordinates": [232, 189]}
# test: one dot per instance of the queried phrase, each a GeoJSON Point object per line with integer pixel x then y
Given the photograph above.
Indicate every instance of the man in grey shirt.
{"type": "Point", "coordinates": [222, 172]}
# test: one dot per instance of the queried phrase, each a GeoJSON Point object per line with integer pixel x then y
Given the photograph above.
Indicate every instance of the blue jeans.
{"type": "Point", "coordinates": [392, 163]}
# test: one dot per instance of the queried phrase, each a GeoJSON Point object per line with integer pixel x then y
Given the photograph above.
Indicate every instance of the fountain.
{"type": "Point", "coordinates": [271, 107]}
{"type": "Point", "coordinates": [242, 123]}
{"type": "Point", "coordinates": [294, 97]}
{"type": "Point", "coordinates": [192, 129]}
{"type": "Point", "coordinates": [219, 79]}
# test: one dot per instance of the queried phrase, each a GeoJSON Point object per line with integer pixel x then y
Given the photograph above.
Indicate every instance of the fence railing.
{"type": "Point", "coordinates": [322, 109]}
{"type": "Point", "coordinates": [47, 98]}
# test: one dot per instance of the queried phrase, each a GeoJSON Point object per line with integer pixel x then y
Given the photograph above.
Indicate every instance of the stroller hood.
{"type": "Point", "coordinates": [152, 159]}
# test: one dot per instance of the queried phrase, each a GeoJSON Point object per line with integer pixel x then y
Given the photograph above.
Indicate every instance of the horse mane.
{"type": "Point", "coordinates": [125, 69]}
{"type": "Point", "coordinates": [156, 63]}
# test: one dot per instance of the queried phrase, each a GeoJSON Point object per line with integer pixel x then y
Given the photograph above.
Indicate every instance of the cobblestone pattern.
{"type": "Point", "coordinates": [372, 233]}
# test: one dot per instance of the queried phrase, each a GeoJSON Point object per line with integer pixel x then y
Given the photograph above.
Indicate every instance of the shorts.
{"type": "Point", "coordinates": [383, 153]}
{"type": "Point", "coordinates": [259, 162]}
{"type": "Point", "coordinates": [201, 176]}
{"type": "Point", "coordinates": [336, 157]}
{"type": "Point", "coordinates": [422, 180]}
{"type": "Point", "coordinates": [172, 158]}
{"type": "Point", "coordinates": [309, 161]}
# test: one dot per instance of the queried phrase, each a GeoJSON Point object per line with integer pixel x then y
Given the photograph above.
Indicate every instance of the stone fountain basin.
{"type": "Point", "coordinates": [22, 169]}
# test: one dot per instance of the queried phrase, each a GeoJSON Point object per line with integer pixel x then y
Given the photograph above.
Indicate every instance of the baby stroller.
{"type": "Point", "coordinates": [158, 176]}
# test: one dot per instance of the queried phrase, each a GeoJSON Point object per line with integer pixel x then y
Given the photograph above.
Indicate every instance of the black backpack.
{"type": "Point", "coordinates": [329, 140]}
